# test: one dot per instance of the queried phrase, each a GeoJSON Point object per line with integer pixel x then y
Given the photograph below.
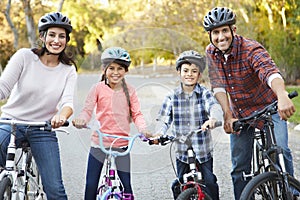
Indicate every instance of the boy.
{"type": "Point", "coordinates": [190, 107]}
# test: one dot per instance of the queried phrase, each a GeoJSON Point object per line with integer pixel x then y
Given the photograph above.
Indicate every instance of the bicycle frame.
{"type": "Point", "coordinates": [111, 185]}
{"type": "Point", "coordinates": [193, 178]}
{"type": "Point", "coordinates": [20, 175]}
{"type": "Point", "coordinates": [267, 155]}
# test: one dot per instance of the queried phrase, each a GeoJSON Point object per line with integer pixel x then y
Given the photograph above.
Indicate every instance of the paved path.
{"type": "Point", "coordinates": [152, 171]}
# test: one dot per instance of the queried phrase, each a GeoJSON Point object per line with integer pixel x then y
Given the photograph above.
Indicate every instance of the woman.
{"type": "Point", "coordinates": [39, 84]}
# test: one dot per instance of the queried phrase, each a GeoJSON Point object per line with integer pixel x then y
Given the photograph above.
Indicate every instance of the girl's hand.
{"type": "Point", "coordinates": [146, 133]}
{"type": "Point", "coordinates": [79, 123]}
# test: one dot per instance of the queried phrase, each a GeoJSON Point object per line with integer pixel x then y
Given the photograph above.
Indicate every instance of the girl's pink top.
{"type": "Point", "coordinates": [112, 112]}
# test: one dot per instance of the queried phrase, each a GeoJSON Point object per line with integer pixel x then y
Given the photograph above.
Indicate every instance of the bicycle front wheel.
{"type": "Point", "coordinates": [192, 194]}
{"type": "Point", "coordinates": [270, 186]}
{"type": "Point", "coordinates": [5, 189]}
{"type": "Point", "coordinates": [33, 184]}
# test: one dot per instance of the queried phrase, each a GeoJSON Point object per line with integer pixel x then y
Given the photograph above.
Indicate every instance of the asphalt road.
{"type": "Point", "coordinates": [152, 172]}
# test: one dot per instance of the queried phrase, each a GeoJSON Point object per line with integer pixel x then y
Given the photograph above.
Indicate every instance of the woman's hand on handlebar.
{"type": "Point", "coordinates": [58, 120]}
{"type": "Point", "coordinates": [79, 123]}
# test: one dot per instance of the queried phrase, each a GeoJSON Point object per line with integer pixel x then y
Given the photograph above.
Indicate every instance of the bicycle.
{"type": "Point", "coordinates": [269, 178]}
{"type": "Point", "coordinates": [193, 186]}
{"type": "Point", "coordinates": [20, 179]}
{"type": "Point", "coordinates": [110, 185]}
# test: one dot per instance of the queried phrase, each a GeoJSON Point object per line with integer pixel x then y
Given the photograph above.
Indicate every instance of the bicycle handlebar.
{"type": "Point", "coordinates": [165, 139]}
{"type": "Point", "coordinates": [267, 111]}
{"type": "Point", "coordinates": [117, 153]}
{"type": "Point", "coordinates": [44, 125]}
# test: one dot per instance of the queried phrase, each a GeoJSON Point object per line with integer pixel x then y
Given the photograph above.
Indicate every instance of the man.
{"type": "Point", "coordinates": [244, 79]}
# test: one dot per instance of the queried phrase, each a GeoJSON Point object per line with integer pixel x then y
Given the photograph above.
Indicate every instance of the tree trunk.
{"type": "Point", "coordinates": [60, 5]}
{"type": "Point", "coordinates": [11, 24]}
{"type": "Point", "coordinates": [29, 23]}
{"type": "Point", "coordinates": [270, 13]}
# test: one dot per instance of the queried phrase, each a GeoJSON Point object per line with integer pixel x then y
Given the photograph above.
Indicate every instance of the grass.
{"type": "Point", "coordinates": [296, 117]}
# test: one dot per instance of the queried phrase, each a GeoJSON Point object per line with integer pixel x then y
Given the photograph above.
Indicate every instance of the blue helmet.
{"type": "Point", "coordinates": [117, 55]}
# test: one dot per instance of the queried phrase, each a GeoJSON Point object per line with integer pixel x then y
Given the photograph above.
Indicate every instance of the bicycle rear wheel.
{"type": "Point", "coordinates": [269, 186]}
{"type": "Point", "coordinates": [192, 194]}
{"type": "Point", "coordinates": [5, 189]}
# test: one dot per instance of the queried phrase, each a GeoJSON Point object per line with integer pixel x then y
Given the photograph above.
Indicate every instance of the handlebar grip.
{"type": "Point", "coordinates": [293, 94]}
{"type": "Point", "coordinates": [66, 123]}
{"type": "Point", "coordinates": [237, 126]}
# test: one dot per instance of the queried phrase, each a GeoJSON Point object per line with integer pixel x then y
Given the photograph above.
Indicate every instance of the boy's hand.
{"type": "Point", "coordinates": [155, 139]}
{"type": "Point", "coordinates": [209, 124]}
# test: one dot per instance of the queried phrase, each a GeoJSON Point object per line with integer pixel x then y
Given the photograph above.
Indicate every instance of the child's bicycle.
{"type": "Point", "coordinates": [270, 180]}
{"type": "Point", "coordinates": [193, 186]}
{"type": "Point", "coordinates": [110, 185]}
{"type": "Point", "coordinates": [20, 180]}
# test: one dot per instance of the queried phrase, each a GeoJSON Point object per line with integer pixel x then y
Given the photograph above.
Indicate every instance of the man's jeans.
{"type": "Point", "coordinates": [45, 150]}
{"type": "Point", "coordinates": [241, 152]}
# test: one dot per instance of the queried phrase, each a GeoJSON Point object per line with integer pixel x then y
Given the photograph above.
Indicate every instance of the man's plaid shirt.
{"type": "Point", "coordinates": [187, 112]}
{"type": "Point", "coordinates": [244, 75]}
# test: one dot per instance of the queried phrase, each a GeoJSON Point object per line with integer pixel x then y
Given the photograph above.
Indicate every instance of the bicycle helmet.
{"type": "Point", "coordinates": [191, 57]}
{"type": "Point", "coordinates": [55, 19]}
{"type": "Point", "coordinates": [117, 55]}
{"type": "Point", "coordinates": [217, 17]}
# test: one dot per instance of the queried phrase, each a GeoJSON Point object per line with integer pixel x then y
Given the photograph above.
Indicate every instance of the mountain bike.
{"type": "Point", "coordinates": [110, 185]}
{"type": "Point", "coordinates": [193, 186]}
{"type": "Point", "coordinates": [20, 179]}
{"type": "Point", "coordinates": [269, 178]}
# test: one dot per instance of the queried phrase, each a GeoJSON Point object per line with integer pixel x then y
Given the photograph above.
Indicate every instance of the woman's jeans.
{"type": "Point", "coordinates": [206, 170]}
{"type": "Point", "coordinates": [45, 150]}
{"type": "Point", "coordinates": [241, 153]}
{"type": "Point", "coordinates": [94, 168]}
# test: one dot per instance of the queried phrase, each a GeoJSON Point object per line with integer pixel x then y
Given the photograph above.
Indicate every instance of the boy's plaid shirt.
{"type": "Point", "coordinates": [187, 112]}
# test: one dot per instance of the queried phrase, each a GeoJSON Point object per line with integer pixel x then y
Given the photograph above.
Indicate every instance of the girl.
{"type": "Point", "coordinates": [116, 105]}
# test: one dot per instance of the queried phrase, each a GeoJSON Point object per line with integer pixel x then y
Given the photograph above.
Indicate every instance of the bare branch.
{"type": "Point", "coordinates": [11, 24]}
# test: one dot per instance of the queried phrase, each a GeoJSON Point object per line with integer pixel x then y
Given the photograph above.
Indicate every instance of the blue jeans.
{"type": "Point", "coordinates": [206, 170]}
{"type": "Point", "coordinates": [94, 168]}
{"type": "Point", "coordinates": [241, 153]}
{"type": "Point", "coordinates": [45, 150]}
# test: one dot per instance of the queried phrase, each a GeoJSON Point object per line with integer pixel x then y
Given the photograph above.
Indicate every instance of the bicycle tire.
{"type": "Point", "coordinates": [192, 194]}
{"type": "Point", "coordinates": [262, 187]}
{"type": "Point", "coordinates": [5, 189]}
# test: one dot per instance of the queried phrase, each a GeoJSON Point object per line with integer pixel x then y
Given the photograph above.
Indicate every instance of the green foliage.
{"type": "Point", "coordinates": [163, 29]}
{"type": "Point", "coordinates": [296, 117]}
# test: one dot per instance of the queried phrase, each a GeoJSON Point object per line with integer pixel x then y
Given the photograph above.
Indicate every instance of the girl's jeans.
{"type": "Point", "coordinates": [241, 152]}
{"type": "Point", "coordinates": [45, 150]}
{"type": "Point", "coordinates": [94, 168]}
{"type": "Point", "coordinates": [206, 170]}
